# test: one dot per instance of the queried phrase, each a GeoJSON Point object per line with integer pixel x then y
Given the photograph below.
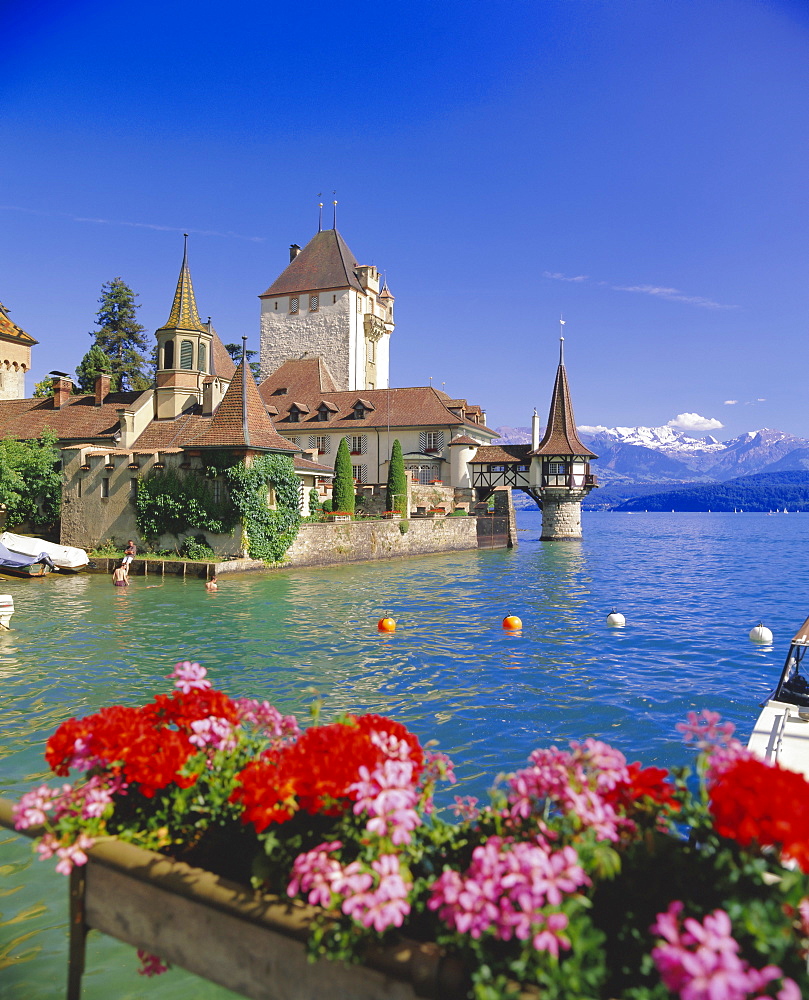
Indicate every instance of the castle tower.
{"type": "Point", "coordinates": [15, 357]}
{"type": "Point", "coordinates": [560, 473]}
{"type": "Point", "coordinates": [183, 351]}
{"type": "Point", "coordinates": [327, 305]}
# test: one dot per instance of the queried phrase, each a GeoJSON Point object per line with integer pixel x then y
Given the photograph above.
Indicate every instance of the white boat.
{"type": "Point", "coordinates": [66, 558]}
{"type": "Point", "coordinates": [781, 732]}
{"type": "Point", "coordinates": [6, 610]}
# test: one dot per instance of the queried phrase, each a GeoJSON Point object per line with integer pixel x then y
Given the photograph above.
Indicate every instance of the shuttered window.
{"type": "Point", "coordinates": [186, 355]}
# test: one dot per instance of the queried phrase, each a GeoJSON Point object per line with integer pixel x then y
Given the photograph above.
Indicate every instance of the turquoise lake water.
{"type": "Point", "coordinates": [690, 585]}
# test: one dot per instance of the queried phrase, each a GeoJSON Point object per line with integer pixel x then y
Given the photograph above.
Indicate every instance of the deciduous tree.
{"type": "Point", "coordinates": [30, 486]}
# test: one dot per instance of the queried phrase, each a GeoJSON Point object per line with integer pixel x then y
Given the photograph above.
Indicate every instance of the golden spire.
{"type": "Point", "coordinates": [184, 315]}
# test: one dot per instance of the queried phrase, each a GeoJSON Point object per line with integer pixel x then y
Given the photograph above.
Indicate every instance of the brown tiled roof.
{"type": "Point", "coordinates": [79, 419]}
{"type": "Point", "coordinates": [560, 434]}
{"type": "Point", "coordinates": [303, 378]}
{"type": "Point", "coordinates": [10, 331]}
{"type": "Point", "coordinates": [463, 439]}
{"type": "Point", "coordinates": [241, 420]}
{"type": "Point", "coordinates": [502, 454]}
{"type": "Point", "coordinates": [176, 433]}
{"type": "Point", "coordinates": [306, 466]}
{"type": "Point", "coordinates": [325, 262]}
{"type": "Point", "coordinates": [421, 406]}
{"type": "Point", "coordinates": [222, 364]}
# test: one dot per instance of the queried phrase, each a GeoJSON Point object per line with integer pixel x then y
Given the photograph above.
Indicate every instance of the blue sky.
{"type": "Point", "coordinates": [638, 166]}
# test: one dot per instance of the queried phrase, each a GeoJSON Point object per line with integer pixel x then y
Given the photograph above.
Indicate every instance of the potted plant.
{"type": "Point", "coordinates": [585, 876]}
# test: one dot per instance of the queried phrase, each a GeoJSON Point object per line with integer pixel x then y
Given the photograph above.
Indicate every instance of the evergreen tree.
{"type": "Point", "coordinates": [95, 362]}
{"type": "Point", "coordinates": [396, 492]}
{"type": "Point", "coordinates": [121, 337]}
{"type": "Point", "coordinates": [343, 489]}
{"type": "Point", "coordinates": [235, 352]}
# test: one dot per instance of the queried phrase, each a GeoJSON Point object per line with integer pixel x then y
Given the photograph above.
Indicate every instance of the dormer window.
{"type": "Point", "coordinates": [294, 415]}
{"type": "Point", "coordinates": [359, 412]}
{"type": "Point", "coordinates": [322, 413]}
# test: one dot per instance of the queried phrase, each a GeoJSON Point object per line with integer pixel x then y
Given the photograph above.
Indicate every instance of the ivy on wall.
{"type": "Point", "coordinates": [169, 503]}
{"type": "Point", "coordinates": [269, 532]}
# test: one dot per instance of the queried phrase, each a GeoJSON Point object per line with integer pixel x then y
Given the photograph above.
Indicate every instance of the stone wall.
{"type": "Point", "coordinates": [358, 541]}
{"type": "Point", "coordinates": [561, 519]}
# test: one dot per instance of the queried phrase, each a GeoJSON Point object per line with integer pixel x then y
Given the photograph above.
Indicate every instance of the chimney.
{"type": "Point", "coordinates": [62, 386]}
{"type": "Point", "coordinates": [102, 388]}
{"type": "Point", "coordinates": [535, 431]}
{"type": "Point", "coordinates": [294, 250]}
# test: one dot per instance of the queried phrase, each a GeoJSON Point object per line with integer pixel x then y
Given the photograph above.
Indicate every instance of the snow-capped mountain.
{"type": "Point", "coordinates": [665, 439]}
{"type": "Point", "coordinates": [662, 454]}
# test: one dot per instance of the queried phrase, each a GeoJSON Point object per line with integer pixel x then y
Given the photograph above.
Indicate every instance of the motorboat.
{"type": "Point", "coordinates": [6, 610]}
{"type": "Point", "coordinates": [781, 733]}
{"type": "Point", "coordinates": [66, 558]}
{"type": "Point", "coordinates": [17, 564]}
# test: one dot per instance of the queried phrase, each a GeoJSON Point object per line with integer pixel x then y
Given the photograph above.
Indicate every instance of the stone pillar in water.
{"type": "Point", "coordinates": [560, 466]}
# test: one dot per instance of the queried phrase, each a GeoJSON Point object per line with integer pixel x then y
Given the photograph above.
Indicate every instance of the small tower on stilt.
{"type": "Point", "coordinates": [560, 471]}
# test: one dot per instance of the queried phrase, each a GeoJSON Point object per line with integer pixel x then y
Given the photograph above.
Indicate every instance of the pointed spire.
{"type": "Point", "coordinates": [184, 315]}
{"type": "Point", "coordinates": [561, 437]}
{"type": "Point", "coordinates": [241, 420]}
{"type": "Point", "coordinates": [334, 222]}
{"type": "Point", "coordinates": [320, 214]}
{"type": "Point", "coordinates": [245, 428]}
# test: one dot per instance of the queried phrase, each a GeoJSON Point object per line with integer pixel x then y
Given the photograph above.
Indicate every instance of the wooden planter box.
{"type": "Point", "coordinates": [244, 940]}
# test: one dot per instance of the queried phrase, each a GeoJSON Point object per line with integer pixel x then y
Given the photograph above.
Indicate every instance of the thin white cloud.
{"type": "Point", "coordinates": [672, 295]}
{"type": "Point", "coordinates": [694, 422]}
{"type": "Point", "coordinates": [135, 225]}
{"type": "Point", "coordinates": [731, 402]}
{"type": "Point", "coordinates": [761, 400]}
{"type": "Point", "coordinates": [656, 291]}
{"type": "Point", "coordinates": [558, 276]}
{"type": "Point", "coordinates": [592, 428]}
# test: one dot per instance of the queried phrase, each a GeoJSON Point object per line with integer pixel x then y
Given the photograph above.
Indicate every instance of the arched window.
{"type": "Point", "coordinates": [202, 365]}
{"type": "Point", "coordinates": [168, 354]}
{"type": "Point", "coordinates": [186, 355]}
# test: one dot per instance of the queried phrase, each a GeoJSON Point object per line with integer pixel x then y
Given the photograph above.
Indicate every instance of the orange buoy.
{"type": "Point", "coordinates": [512, 622]}
{"type": "Point", "coordinates": [386, 625]}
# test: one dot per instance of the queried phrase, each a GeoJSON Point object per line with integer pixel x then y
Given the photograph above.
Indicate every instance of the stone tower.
{"type": "Point", "coordinates": [15, 357]}
{"type": "Point", "coordinates": [561, 477]}
{"type": "Point", "coordinates": [327, 305]}
{"type": "Point", "coordinates": [183, 351]}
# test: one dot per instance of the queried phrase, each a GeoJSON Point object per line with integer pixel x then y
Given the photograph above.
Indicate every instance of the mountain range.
{"type": "Point", "coordinates": [644, 455]}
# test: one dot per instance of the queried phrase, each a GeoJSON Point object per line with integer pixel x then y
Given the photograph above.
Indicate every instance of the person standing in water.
{"type": "Point", "coordinates": [120, 577]}
{"type": "Point", "coordinates": [212, 584]}
{"type": "Point", "coordinates": [130, 552]}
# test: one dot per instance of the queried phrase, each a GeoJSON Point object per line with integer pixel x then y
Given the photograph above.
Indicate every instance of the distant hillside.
{"type": "Point", "coordinates": [762, 492]}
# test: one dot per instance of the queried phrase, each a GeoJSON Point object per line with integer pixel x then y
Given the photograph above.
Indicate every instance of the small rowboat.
{"type": "Point", "coordinates": [781, 733]}
{"type": "Point", "coordinates": [18, 565]}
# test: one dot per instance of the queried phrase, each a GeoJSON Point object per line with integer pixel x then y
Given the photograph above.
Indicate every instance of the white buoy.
{"type": "Point", "coordinates": [615, 619]}
{"type": "Point", "coordinates": [761, 634]}
{"type": "Point", "coordinates": [6, 610]}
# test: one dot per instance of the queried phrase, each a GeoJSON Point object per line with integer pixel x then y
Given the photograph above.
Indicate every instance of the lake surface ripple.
{"type": "Point", "coordinates": [690, 585]}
